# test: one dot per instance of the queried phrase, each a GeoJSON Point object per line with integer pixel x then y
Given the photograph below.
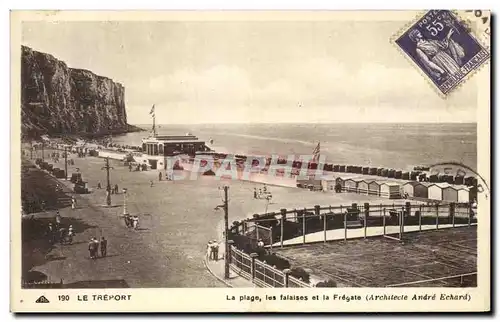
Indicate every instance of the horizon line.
{"type": "Point", "coordinates": [346, 122]}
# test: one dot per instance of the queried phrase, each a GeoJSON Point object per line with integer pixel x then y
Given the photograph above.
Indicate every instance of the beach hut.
{"type": "Point", "coordinates": [421, 190]}
{"type": "Point", "coordinates": [350, 185]}
{"type": "Point", "coordinates": [384, 172]}
{"type": "Point", "coordinates": [366, 170]}
{"type": "Point", "coordinates": [463, 194]}
{"type": "Point", "coordinates": [436, 191]}
{"type": "Point", "coordinates": [328, 183]}
{"type": "Point", "coordinates": [433, 178]}
{"type": "Point", "coordinates": [398, 174]}
{"type": "Point", "coordinates": [373, 171]}
{"type": "Point", "coordinates": [409, 188]}
{"type": "Point", "coordinates": [374, 188]}
{"type": "Point", "coordinates": [414, 176]}
{"type": "Point", "coordinates": [450, 194]}
{"type": "Point", "coordinates": [342, 168]}
{"type": "Point", "coordinates": [459, 180]}
{"type": "Point", "coordinates": [379, 172]}
{"type": "Point", "coordinates": [336, 168]}
{"type": "Point", "coordinates": [391, 190]}
{"type": "Point", "coordinates": [348, 169]}
{"type": "Point", "coordinates": [391, 173]}
{"type": "Point", "coordinates": [363, 187]}
{"type": "Point", "coordinates": [405, 176]}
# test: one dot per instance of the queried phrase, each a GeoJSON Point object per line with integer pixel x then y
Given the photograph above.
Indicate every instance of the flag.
{"type": "Point", "coordinates": [315, 153]}
{"type": "Point", "coordinates": [152, 112]}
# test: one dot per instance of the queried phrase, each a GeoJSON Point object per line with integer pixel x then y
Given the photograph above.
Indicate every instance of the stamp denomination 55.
{"type": "Point", "coordinates": [443, 48]}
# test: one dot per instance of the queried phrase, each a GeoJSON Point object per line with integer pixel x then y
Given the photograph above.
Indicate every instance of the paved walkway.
{"type": "Point", "coordinates": [216, 268]}
{"type": "Point", "coordinates": [339, 234]}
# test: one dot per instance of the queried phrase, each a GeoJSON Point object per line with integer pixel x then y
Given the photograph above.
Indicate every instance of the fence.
{"type": "Point", "coordinates": [260, 273]}
{"type": "Point", "coordinates": [462, 280]}
{"type": "Point", "coordinates": [274, 227]}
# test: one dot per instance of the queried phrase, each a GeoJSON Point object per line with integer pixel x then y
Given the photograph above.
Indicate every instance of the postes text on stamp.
{"type": "Point", "coordinates": [443, 48]}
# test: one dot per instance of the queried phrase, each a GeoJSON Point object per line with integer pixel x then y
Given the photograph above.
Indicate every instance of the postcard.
{"type": "Point", "coordinates": [259, 161]}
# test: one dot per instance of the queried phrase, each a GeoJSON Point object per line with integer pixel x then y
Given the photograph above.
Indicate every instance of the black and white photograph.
{"type": "Point", "coordinates": [246, 151]}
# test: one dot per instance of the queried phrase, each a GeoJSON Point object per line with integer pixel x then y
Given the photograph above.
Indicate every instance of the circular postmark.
{"type": "Point", "coordinates": [460, 174]}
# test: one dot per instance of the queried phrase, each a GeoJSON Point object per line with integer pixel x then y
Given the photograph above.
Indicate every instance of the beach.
{"type": "Point", "coordinates": [396, 146]}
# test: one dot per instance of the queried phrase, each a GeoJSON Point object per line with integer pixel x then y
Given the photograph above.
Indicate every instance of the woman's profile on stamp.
{"type": "Point", "coordinates": [442, 58]}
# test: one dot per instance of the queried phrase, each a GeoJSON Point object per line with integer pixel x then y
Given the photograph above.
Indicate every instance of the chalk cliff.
{"type": "Point", "coordinates": [56, 99]}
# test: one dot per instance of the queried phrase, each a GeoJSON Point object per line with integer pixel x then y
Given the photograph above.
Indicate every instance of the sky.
{"type": "Point", "coordinates": [254, 71]}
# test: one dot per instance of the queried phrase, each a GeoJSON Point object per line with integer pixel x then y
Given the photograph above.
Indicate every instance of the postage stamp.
{"type": "Point", "coordinates": [443, 48]}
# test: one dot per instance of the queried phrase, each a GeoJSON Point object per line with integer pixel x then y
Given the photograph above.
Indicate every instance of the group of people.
{"type": "Point", "coordinates": [95, 245]}
{"type": "Point", "coordinates": [262, 193]}
{"type": "Point", "coordinates": [131, 221]}
{"type": "Point", "coordinates": [213, 250]}
{"type": "Point", "coordinates": [57, 233]}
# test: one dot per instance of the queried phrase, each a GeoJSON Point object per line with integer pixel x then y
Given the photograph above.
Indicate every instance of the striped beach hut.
{"type": "Point", "coordinates": [463, 194]}
{"type": "Point", "coordinates": [391, 190]}
{"type": "Point", "coordinates": [350, 185]}
{"type": "Point", "coordinates": [363, 187]}
{"type": "Point", "coordinates": [374, 188]}
{"type": "Point", "coordinates": [450, 194]}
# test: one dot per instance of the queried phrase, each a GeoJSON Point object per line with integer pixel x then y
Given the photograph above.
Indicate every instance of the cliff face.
{"type": "Point", "coordinates": [57, 99]}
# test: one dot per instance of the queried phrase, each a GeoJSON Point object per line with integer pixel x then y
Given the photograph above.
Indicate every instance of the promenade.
{"type": "Point", "coordinates": [177, 219]}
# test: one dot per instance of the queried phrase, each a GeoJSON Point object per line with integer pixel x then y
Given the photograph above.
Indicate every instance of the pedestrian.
{"type": "Point", "coordinates": [216, 250]}
{"type": "Point", "coordinates": [50, 233]}
{"type": "Point", "coordinates": [159, 176]}
{"type": "Point", "coordinates": [70, 234]}
{"type": "Point", "coordinates": [151, 183]}
{"type": "Point", "coordinates": [130, 167]}
{"type": "Point", "coordinates": [212, 249]}
{"type": "Point", "coordinates": [104, 246]}
{"type": "Point", "coordinates": [58, 218]}
{"type": "Point", "coordinates": [99, 185]}
{"type": "Point", "coordinates": [209, 250]}
{"type": "Point", "coordinates": [91, 248]}
{"type": "Point", "coordinates": [255, 193]}
{"type": "Point", "coordinates": [73, 202]}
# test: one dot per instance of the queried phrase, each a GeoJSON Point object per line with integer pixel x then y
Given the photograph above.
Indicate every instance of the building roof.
{"type": "Point", "coordinates": [166, 142]}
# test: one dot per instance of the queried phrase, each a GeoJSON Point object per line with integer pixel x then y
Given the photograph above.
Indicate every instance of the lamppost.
{"type": "Point", "coordinates": [125, 212]}
{"type": "Point", "coordinates": [107, 167]}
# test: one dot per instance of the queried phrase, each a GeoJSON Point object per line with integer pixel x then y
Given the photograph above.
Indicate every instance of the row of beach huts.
{"type": "Point", "coordinates": [398, 188]}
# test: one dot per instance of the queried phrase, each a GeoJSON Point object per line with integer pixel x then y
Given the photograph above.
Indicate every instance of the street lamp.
{"type": "Point", "coordinates": [125, 212]}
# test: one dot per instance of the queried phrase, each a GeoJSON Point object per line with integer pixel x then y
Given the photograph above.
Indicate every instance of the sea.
{"type": "Point", "coordinates": [398, 146]}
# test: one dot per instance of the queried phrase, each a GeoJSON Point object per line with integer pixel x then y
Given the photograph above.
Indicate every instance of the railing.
{"type": "Point", "coordinates": [260, 273]}
{"type": "Point", "coordinates": [462, 280]}
{"type": "Point", "coordinates": [277, 227]}
{"type": "Point", "coordinates": [295, 282]}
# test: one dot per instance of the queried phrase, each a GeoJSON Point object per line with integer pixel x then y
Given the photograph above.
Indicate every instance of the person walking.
{"type": "Point", "coordinates": [99, 185]}
{"type": "Point", "coordinates": [58, 218]}
{"type": "Point", "coordinates": [70, 234]}
{"type": "Point", "coordinates": [159, 176]}
{"type": "Point", "coordinates": [91, 248]}
{"type": "Point", "coordinates": [73, 202]}
{"type": "Point", "coordinates": [151, 183]}
{"type": "Point", "coordinates": [216, 250]}
{"type": "Point", "coordinates": [116, 189]}
{"type": "Point", "coordinates": [210, 250]}
{"type": "Point", "coordinates": [104, 246]}
{"type": "Point", "coordinates": [255, 193]}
